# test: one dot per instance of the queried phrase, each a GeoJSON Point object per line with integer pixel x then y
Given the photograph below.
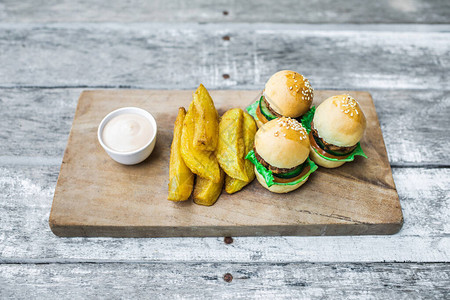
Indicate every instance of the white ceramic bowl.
{"type": "Point", "coordinates": [133, 157]}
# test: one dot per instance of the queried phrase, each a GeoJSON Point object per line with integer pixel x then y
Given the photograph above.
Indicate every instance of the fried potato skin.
{"type": "Point", "coordinates": [206, 132]}
{"type": "Point", "coordinates": [230, 149]}
{"type": "Point", "coordinates": [202, 163]}
{"type": "Point", "coordinates": [207, 192]}
{"type": "Point", "coordinates": [249, 128]}
{"type": "Point", "coordinates": [233, 185]}
{"type": "Point", "coordinates": [181, 179]}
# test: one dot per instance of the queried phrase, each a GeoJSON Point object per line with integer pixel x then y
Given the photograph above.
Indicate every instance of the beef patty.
{"type": "Point", "coordinates": [270, 108]}
{"type": "Point", "coordinates": [331, 147]}
{"type": "Point", "coordinates": [268, 166]}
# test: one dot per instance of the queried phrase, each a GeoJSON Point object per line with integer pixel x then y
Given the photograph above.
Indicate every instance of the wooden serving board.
{"type": "Point", "coordinates": [96, 196]}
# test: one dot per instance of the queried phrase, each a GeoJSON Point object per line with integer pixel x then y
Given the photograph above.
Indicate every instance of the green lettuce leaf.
{"type": "Point", "coordinates": [358, 151]}
{"type": "Point", "coordinates": [268, 175]}
{"type": "Point", "coordinates": [307, 119]}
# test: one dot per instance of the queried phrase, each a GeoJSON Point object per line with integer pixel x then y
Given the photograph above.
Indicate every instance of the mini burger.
{"type": "Point", "coordinates": [336, 129]}
{"type": "Point", "coordinates": [286, 94]}
{"type": "Point", "coordinates": [280, 155]}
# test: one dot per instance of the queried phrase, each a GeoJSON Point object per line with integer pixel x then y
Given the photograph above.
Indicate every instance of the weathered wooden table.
{"type": "Point", "coordinates": [397, 50]}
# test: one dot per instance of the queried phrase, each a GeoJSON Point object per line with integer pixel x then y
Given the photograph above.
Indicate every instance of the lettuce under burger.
{"type": "Point", "coordinates": [280, 155]}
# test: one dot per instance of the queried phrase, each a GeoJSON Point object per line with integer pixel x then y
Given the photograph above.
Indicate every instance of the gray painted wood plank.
{"type": "Point", "coordinates": [284, 11]}
{"type": "Point", "coordinates": [168, 56]}
{"type": "Point", "coordinates": [133, 55]}
{"type": "Point", "coordinates": [37, 122]}
{"type": "Point", "coordinates": [25, 236]}
{"type": "Point", "coordinates": [206, 281]}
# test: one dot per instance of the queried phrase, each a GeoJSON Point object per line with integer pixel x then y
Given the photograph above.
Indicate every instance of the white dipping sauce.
{"type": "Point", "coordinates": [127, 132]}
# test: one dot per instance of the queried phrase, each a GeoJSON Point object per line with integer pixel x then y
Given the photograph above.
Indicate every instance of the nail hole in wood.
{"type": "Point", "coordinates": [225, 13]}
{"type": "Point", "coordinates": [225, 76]}
{"type": "Point", "coordinates": [228, 277]}
{"type": "Point", "coordinates": [226, 38]}
{"type": "Point", "coordinates": [228, 240]}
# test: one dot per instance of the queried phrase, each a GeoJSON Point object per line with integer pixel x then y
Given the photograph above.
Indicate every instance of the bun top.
{"type": "Point", "coordinates": [282, 142]}
{"type": "Point", "coordinates": [340, 121]}
{"type": "Point", "coordinates": [289, 93]}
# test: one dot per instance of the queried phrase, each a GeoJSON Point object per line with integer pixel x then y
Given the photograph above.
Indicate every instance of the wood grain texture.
{"type": "Point", "coordinates": [25, 236]}
{"type": "Point", "coordinates": [415, 126]}
{"type": "Point", "coordinates": [166, 56]}
{"type": "Point", "coordinates": [205, 281]}
{"type": "Point", "coordinates": [95, 196]}
{"type": "Point", "coordinates": [284, 11]}
{"type": "Point", "coordinates": [37, 124]}
{"type": "Point", "coordinates": [398, 65]}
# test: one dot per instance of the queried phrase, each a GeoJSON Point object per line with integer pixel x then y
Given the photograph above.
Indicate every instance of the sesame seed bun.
{"type": "Point", "coordinates": [340, 121]}
{"type": "Point", "coordinates": [278, 188]}
{"type": "Point", "coordinates": [289, 93]}
{"type": "Point", "coordinates": [319, 160]}
{"type": "Point", "coordinates": [283, 143]}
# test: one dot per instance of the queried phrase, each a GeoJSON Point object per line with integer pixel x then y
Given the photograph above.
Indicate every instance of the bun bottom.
{"type": "Point", "coordinates": [259, 123]}
{"type": "Point", "coordinates": [319, 160]}
{"type": "Point", "coordinates": [280, 189]}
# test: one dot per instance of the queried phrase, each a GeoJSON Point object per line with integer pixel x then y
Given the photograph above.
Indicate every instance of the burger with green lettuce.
{"type": "Point", "coordinates": [286, 94]}
{"type": "Point", "coordinates": [280, 155]}
{"type": "Point", "coordinates": [335, 129]}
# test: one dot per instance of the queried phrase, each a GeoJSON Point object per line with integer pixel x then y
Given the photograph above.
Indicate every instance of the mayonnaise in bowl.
{"type": "Point", "coordinates": [128, 135]}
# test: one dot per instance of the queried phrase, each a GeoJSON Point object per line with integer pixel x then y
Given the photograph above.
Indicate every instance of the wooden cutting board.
{"type": "Point", "coordinates": [96, 196]}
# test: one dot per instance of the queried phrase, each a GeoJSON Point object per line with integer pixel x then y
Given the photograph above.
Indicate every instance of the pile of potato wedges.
{"type": "Point", "coordinates": [208, 151]}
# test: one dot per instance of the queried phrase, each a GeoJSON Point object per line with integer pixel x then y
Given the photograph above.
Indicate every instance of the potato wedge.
{"type": "Point", "coordinates": [181, 179]}
{"type": "Point", "coordinates": [202, 163]}
{"type": "Point", "coordinates": [233, 185]}
{"type": "Point", "coordinates": [206, 134]}
{"type": "Point", "coordinates": [230, 149]}
{"type": "Point", "coordinates": [207, 192]}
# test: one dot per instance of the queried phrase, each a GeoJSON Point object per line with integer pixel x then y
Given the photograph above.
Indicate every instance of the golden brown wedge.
{"type": "Point", "coordinates": [181, 179]}
{"type": "Point", "coordinates": [206, 132]}
{"type": "Point", "coordinates": [233, 185]}
{"type": "Point", "coordinates": [230, 149]}
{"type": "Point", "coordinates": [202, 163]}
{"type": "Point", "coordinates": [207, 192]}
